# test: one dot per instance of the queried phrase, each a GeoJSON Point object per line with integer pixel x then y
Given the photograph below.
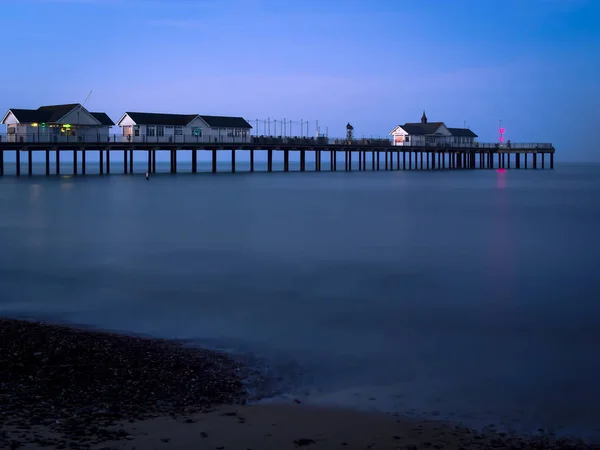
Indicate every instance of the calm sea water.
{"type": "Point", "coordinates": [473, 295]}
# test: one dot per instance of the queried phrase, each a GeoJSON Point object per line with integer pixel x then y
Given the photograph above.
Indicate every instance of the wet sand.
{"type": "Point", "coordinates": [63, 387]}
{"type": "Point", "coordinates": [297, 426]}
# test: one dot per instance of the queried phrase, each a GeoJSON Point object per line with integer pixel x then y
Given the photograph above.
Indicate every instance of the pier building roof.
{"type": "Point", "coordinates": [57, 114]}
{"type": "Point", "coordinates": [140, 118]}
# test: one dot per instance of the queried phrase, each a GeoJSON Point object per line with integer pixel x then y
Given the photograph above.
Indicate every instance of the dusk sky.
{"type": "Point", "coordinates": [534, 64]}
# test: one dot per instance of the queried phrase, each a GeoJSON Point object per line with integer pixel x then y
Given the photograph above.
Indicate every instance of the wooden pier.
{"type": "Point", "coordinates": [482, 156]}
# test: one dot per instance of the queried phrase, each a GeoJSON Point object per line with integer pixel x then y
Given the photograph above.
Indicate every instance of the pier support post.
{"type": "Point", "coordinates": [552, 160]}
{"type": "Point", "coordinates": [534, 155]}
{"type": "Point", "coordinates": [108, 161]}
{"type": "Point", "coordinates": [214, 161]}
{"type": "Point", "coordinates": [131, 161]}
{"type": "Point", "coordinates": [331, 162]}
{"type": "Point", "coordinates": [373, 160]}
{"type": "Point", "coordinates": [232, 161]}
{"type": "Point", "coordinates": [154, 161]}
{"type": "Point", "coordinates": [270, 160]}
{"type": "Point", "coordinates": [421, 160]}
{"type": "Point", "coordinates": [101, 162]}
{"type": "Point", "coordinates": [57, 162]}
{"type": "Point", "coordinates": [1, 163]}
{"type": "Point", "coordinates": [251, 160]}
{"type": "Point", "coordinates": [83, 162]}
{"type": "Point", "coordinates": [29, 163]}
{"type": "Point", "coordinates": [318, 160]}
{"type": "Point", "coordinates": [125, 162]}
{"type": "Point", "coordinates": [302, 160]}
{"type": "Point", "coordinates": [286, 160]}
{"type": "Point", "coordinates": [525, 160]}
{"type": "Point", "coordinates": [543, 160]}
{"type": "Point", "coordinates": [74, 162]}
{"type": "Point", "coordinates": [518, 161]}
{"type": "Point", "coordinates": [194, 161]}
{"type": "Point", "coordinates": [149, 162]}
{"type": "Point", "coordinates": [386, 160]}
{"type": "Point", "coordinates": [47, 163]}
{"type": "Point", "coordinates": [18, 162]}
{"type": "Point", "coordinates": [350, 160]}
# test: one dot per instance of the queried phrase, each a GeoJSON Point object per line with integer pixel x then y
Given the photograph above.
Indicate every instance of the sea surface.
{"type": "Point", "coordinates": [464, 295]}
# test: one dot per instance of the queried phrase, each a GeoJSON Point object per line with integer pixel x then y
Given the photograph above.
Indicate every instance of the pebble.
{"type": "Point", "coordinates": [79, 382]}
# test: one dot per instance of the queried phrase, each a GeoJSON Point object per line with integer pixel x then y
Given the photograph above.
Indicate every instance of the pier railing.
{"type": "Point", "coordinates": [95, 138]}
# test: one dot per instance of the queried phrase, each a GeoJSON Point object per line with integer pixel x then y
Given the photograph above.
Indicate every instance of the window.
{"type": "Point", "coordinates": [197, 131]}
{"type": "Point", "coordinates": [407, 139]}
{"type": "Point", "coordinates": [150, 131]}
{"type": "Point", "coordinates": [160, 131]}
{"type": "Point", "coordinates": [178, 131]}
{"type": "Point", "coordinates": [136, 131]}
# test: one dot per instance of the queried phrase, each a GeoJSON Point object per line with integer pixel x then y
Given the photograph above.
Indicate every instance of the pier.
{"type": "Point", "coordinates": [380, 153]}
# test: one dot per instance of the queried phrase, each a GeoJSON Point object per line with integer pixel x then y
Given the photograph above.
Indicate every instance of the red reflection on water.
{"type": "Point", "coordinates": [501, 179]}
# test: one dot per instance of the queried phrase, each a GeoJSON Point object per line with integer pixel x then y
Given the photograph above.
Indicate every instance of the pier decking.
{"type": "Point", "coordinates": [383, 155]}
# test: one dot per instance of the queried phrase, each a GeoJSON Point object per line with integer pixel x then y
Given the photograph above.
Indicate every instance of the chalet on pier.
{"type": "Point", "coordinates": [433, 134]}
{"type": "Point", "coordinates": [158, 127]}
{"type": "Point", "coordinates": [56, 123]}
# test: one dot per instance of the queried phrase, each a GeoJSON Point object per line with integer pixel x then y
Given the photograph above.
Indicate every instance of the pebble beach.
{"type": "Point", "coordinates": [75, 385]}
{"type": "Point", "coordinates": [63, 387]}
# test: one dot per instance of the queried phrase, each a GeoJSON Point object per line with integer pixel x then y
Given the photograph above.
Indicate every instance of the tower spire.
{"type": "Point", "coordinates": [423, 118]}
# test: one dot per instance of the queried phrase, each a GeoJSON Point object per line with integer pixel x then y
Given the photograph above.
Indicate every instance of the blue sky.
{"type": "Point", "coordinates": [534, 64]}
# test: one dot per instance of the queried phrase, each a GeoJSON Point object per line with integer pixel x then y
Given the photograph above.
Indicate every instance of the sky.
{"type": "Point", "coordinates": [533, 64]}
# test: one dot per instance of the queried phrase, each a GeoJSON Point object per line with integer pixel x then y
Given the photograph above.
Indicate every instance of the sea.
{"type": "Point", "coordinates": [470, 296]}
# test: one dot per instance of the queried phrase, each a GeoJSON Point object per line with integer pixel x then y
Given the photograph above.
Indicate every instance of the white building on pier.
{"type": "Point", "coordinates": [57, 123]}
{"type": "Point", "coordinates": [157, 127]}
{"type": "Point", "coordinates": [432, 134]}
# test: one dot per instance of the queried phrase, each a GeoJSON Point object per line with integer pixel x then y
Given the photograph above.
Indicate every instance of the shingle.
{"type": "Point", "coordinates": [57, 112]}
{"type": "Point", "coordinates": [226, 122]}
{"type": "Point", "coordinates": [462, 132]}
{"type": "Point", "coordinates": [30, 115]}
{"type": "Point", "coordinates": [103, 118]}
{"type": "Point", "coordinates": [161, 119]}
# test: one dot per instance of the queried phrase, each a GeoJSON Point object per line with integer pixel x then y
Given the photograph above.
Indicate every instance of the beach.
{"type": "Point", "coordinates": [64, 387]}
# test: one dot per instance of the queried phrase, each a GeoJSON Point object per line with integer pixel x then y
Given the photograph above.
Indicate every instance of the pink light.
{"type": "Point", "coordinates": [501, 130]}
{"type": "Point", "coordinates": [500, 170]}
{"type": "Point", "coordinates": [501, 139]}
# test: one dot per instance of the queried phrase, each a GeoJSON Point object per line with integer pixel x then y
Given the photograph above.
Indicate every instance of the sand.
{"type": "Point", "coordinates": [276, 426]}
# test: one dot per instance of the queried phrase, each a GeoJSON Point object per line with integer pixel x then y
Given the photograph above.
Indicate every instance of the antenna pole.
{"type": "Point", "coordinates": [86, 99]}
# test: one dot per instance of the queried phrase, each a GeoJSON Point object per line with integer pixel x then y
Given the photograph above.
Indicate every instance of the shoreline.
{"type": "Point", "coordinates": [66, 386]}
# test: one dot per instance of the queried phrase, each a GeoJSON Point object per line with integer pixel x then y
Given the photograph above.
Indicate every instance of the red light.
{"type": "Point", "coordinates": [501, 130]}
{"type": "Point", "coordinates": [501, 139]}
